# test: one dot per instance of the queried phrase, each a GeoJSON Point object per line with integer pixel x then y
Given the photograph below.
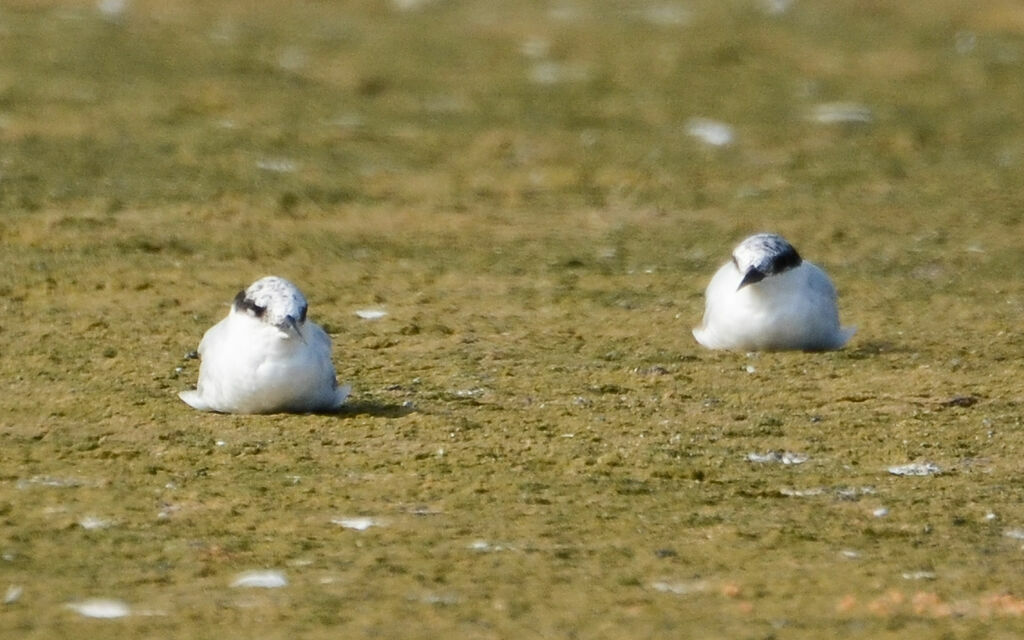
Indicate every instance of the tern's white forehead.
{"type": "Point", "coordinates": [274, 299]}
{"type": "Point", "coordinates": [766, 252]}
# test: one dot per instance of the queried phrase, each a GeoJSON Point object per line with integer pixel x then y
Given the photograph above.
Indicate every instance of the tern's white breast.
{"type": "Point", "coordinates": [249, 366]}
{"type": "Point", "coordinates": [793, 310]}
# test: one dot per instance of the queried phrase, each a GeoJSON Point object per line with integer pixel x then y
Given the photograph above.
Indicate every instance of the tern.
{"type": "Point", "coordinates": [767, 298]}
{"type": "Point", "coordinates": [266, 357]}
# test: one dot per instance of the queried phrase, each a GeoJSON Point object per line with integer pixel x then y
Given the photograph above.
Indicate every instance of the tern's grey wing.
{"type": "Point", "coordinates": [819, 282]}
{"type": "Point", "coordinates": [317, 337]}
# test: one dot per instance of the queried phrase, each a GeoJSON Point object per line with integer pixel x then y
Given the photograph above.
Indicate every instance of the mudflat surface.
{"type": "Point", "coordinates": [535, 444]}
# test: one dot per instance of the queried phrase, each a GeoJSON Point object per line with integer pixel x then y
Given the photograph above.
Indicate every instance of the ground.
{"type": "Point", "coordinates": [541, 446]}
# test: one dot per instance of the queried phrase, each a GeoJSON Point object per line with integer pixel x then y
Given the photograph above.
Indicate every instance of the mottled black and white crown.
{"type": "Point", "coordinates": [274, 301]}
{"type": "Point", "coordinates": [762, 255]}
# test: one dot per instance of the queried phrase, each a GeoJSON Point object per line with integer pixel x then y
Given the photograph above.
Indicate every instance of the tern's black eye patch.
{"type": "Point", "coordinates": [788, 259]}
{"type": "Point", "coordinates": [241, 302]}
{"type": "Point", "coordinates": [302, 314]}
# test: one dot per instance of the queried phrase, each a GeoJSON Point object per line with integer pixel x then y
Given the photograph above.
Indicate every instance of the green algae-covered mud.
{"type": "Point", "coordinates": [535, 446]}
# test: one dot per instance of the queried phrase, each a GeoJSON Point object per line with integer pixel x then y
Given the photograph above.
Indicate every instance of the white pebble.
{"type": "Point", "coordinates": [100, 608]}
{"type": "Point", "coordinates": [679, 588]}
{"type": "Point", "coordinates": [781, 457]}
{"type": "Point", "coordinates": [260, 579]}
{"type": "Point", "coordinates": [112, 9]}
{"type": "Point", "coordinates": [91, 522]}
{"type": "Point", "coordinates": [359, 524]}
{"type": "Point", "coordinates": [915, 469]}
{"type": "Point", "coordinates": [277, 165]}
{"type": "Point", "coordinates": [409, 5]}
{"type": "Point", "coordinates": [802, 493]}
{"type": "Point", "coordinates": [484, 546]}
{"type": "Point", "coordinates": [710, 132]}
{"type": "Point", "coordinates": [842, 113]}
{"type": "Point", "coordinates": [547, 72]}
{"type": "Point", "coordinates": [776, 7]}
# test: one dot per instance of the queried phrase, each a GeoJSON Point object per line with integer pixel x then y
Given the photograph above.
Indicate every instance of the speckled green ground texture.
{"type": "Point", "coordinates": [540, 445]}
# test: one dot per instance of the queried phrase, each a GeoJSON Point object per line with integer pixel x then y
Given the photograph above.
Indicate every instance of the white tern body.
{"type": "Point", "coordinates": [768, 299]}
{"type": "Point", "coordinates": [265, 357]}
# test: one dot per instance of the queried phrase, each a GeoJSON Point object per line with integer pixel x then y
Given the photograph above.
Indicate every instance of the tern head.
{"type": "Point", "coordinates": [274, 301]}
{"type": "Point", "coordinates": [763, 255]}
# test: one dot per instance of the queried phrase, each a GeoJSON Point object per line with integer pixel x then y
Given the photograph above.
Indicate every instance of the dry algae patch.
{"type": "Point", "coordinates": [540, 446]}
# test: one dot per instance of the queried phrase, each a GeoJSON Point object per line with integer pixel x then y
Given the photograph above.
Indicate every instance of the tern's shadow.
{"type": "Point", "coordinates": [374, 409]}
{"type": "Point", "coordinates": [870, 348]}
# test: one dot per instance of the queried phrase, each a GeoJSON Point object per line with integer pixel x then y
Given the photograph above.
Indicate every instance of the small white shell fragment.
{"type": "Point", "coordinates": [802, 493]}
{"type": "Point", "coordinates": [409, 5]}
{"type": "Point", "coordinates": [989, 517]}
{"type": "Point", "coordinates": [842, 113]}
{"type": "Point", "coordinates": [92, 522]}
{"type": "Point", "coordinates": [484, 546]}
{"type": "Point", "coordinates": [679, 588]}
{"type": "Point", "coordinates": [1016, 534]}
{"type": "Point", "coordinates": [880, 512]}
{"type": "Point", "coordinates": [100, 608]}
{"type": "Point", "coordinates": [268, 579]}
{"type": "Point", "coordinates": [359, 524]}
{"type": "Point", "coordinates": [277, 165]}
{"type": "Point", "coordinates": [13, 594]}
{"type": "Point", "coordinates": [439, 599]}
{"type": "Point", "coordinates": [851, 493]}
{"type": "Point", "coordinates": [371, 314]}
{"type": "Point", "coordinates": [776, 7]}
{"type": "Point", "coordinates": [850, 553]}
{"type": "Point", "coordinates": [167, 511]}
{"type": "Point", "coordinates": [915, 469]}
{"type": "Point", "coordinates": [782, 457]}
{"type": "Point", "coordinates": [710, 132]}
{"type": "Point", "coordinates": [548, 72]}
{"type": "Point", "coordinates": [112, 9]}
{"type": "Point", "coordinates": [47, 481]}
{"type": "Point", "coordinates": [918, 575]}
